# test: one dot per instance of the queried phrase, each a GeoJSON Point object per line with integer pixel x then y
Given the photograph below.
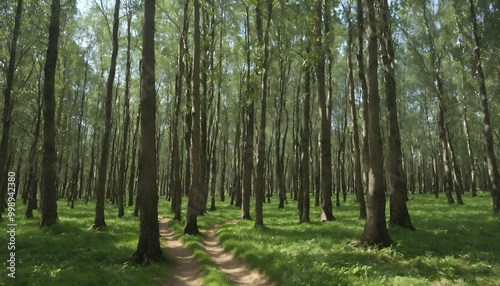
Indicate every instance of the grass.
{"type": "Point", "coordinates": [69, 253]}
{"type": "Point", "coordinates": [453, 245]}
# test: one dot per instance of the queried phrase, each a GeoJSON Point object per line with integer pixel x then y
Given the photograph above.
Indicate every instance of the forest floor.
{"type": "Point", "coordinates": [453, 245]}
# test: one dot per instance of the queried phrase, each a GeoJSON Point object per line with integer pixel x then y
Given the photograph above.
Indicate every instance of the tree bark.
{"type": "Point", "coordinates": [493, 174]}
{"type": "Point", "coordinates": [396, 177]}
{"type": "Point", "coordinates": [49, 166]}
{"type": "Point", "coordinates": [325, 133]}
{"type": "Point", "coordinates": [196, 200]}
{"type": "Point", "coordinates": [358, 179]}
{"type": "Point", "coordinates": [148, 247]}
{"type": "Point", "coordinates": [375, 232]}
{"type": "Point", "coordinates": [7, 107]}
{"type": "Point", "coordinates": [101, 174]}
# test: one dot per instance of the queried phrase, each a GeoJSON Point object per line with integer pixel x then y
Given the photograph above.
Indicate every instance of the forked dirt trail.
{"type": "Point", "coordinates": [186, 270]}
{"type": "Point", "coordinates": [231, 266]}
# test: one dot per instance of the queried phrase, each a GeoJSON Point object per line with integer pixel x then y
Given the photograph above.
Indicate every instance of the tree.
{"type": "Point", "coordinates": [148, 247]}
{"type": "Point", "coordinates": [7, 107]}
{"type": "Point", "coordinates": [493, 174]}
{"type": "Point", "coordinates": [325, 133]}
{"type": "Point", "coordinates": [375, 232]}
{"type": "Point", "coordinates": [396, 181]}
{"type": "Point", "coordinates": [358, 180]}
{"type": "Point", "coordinates": [196, 202]}
{"type": "Point", "coordinates": [101, 174]}
{"type": "Point", "coordinates": [49, 161]}
{"type": "Point", "coordinates": [263, 38]}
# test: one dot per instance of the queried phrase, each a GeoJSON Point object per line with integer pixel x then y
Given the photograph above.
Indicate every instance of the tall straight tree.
{"type": "Point", "coordinates": [249, 136]}
{"type": "Point", "coordinates": [304, 201]}
{"type": "Point", "coordinates": [196, 202]}
{"type": "Point", "coordinates": [126, 119]}
{"type": "Point", "coordinates": [375, 232]}
{"type": "Point", "coordinates": [7, 107]}
{"type": "Point", "coordinates": [49, 192]}
{"type": "Point", "coordinates": [101, 174]}
{"type": "Point", "coordinates": [148, 247]}
{"type": "Point", "coordinates": [396, 181]}
{"type": "Point", "coordinates": [493, 175]}
{"type": "Point", "coordinates": [325, 133]}
{"type": "Point", "coordinates": [358, 180]}
{"type": "Point", "coordinates": [263, 38]}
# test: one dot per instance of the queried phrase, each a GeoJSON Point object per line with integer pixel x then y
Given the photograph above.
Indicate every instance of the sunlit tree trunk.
{"type": "Point", "coordinates": [396, 180]}
{"type": "Point", "coordinates": [375, 231]}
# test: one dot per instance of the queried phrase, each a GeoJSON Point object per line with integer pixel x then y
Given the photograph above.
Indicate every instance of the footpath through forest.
{"type": "Point", "coordinates": [186, 270]}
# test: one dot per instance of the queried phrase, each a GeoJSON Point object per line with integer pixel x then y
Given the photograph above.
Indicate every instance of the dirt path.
{"type": "Point", "coordinates": [231, 266]}
{"type": "Point", "coordinates": [186, 270]}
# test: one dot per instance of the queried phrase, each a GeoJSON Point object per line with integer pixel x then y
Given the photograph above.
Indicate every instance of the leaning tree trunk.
{"type": "Point", "coordinates": [396, 181]}
{"type": "Point", "coordinates": [7, 107]}
{"type": "Point", "coordinates": [148, 247]}
{"type": "Point", "coordinates": [49, 192]}
{"type": "Point", "coordinates": [101, 174]}
{"type": "Point", "coordinates": [493, 175]}
{"type": "Point", "coordinates": [375, 232]}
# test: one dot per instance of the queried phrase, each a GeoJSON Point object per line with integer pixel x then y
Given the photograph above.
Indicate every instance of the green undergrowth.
{"type": "Point", "coordinates": [453, 245]}
{"type": "Point", "coordinates": [69, 253]}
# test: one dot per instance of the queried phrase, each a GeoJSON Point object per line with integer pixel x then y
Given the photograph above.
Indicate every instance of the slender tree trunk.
{"type": "Point", "coordinates": [196, 200]}
{"type": "Point", "coordinates": [49, 192]}
{"type": "Point", "coordinates": [249, 136]}
{"type": "Point", "coordinates": [7, 107]}
{"type": "Point", "coordinates": [126, 121]}
{"type": "Point", "coordinates": [396, 177]}
{"type": "Point", "coordinates": [493, 175]}
{"type": "Point", "coordinates": [358, 179]}
{"type": "Point", "coordinates": [364, 91]}
{"type": "Point", "coordinates": [325, 134]}
{"type": "Point", "coordinates": [304, 160]}
{"type": "Point", "coordinates": [263, 39]}
{"type": "Point", "coordinates": [375, 232]}
{"type": "Point", "coordinates": [101, 174]}
{"type": "Point", "coordinates": [32, 185]}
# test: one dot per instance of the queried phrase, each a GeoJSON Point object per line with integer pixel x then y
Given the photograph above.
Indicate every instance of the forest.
{"type": "Point", "coordinates": [250, 142]}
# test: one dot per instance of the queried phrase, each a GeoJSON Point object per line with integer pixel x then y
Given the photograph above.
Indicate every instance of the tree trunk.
{"type": "Point", "coordinates": [396, 177]}
{"type": "Point", "coordinates": [7, 107]}
{"type": "Point", "coordinates": [126, 121]}
{"type": "Point", "coordinates": [263, 39]}
{"type": "Point", "coordinates": [49, 167]}
{"type": "Point", "coordinates": [196, 201]}
{"type": "Point", "coordinates": [325, 133]}
{"type": "Point", "coordinates": [148, 247]}
{"type": "Point", "coordinates": [358, 179]}
{"type": "Point", "coordinates": [304, 160]}
{"type": "Point", "coordinates": [101, 174]}
{"type": "Point", "coordinates": [375, 232]}
{"type": "Point", "coordinates": [493, 175]}
{"type": "Point", "coordinates": [249, 137]}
